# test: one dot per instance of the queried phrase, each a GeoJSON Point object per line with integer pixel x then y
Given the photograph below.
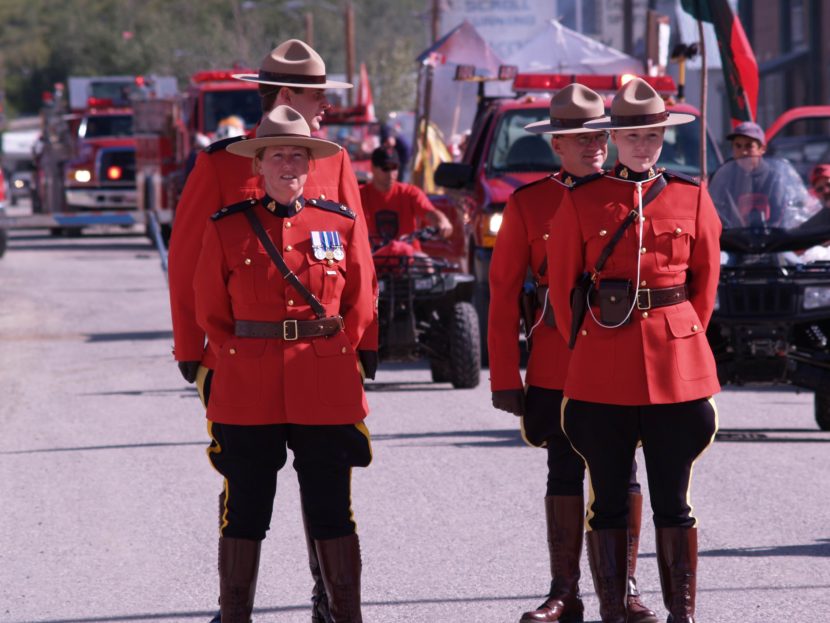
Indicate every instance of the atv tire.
{"type": "Point", "coordinates": [822, 407]}
{"type": "Point", "coordinates": [465, 347]}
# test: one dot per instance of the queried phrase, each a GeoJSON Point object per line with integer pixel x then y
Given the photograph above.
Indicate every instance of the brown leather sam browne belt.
{"type": "Point", "coordinates": [289, 330]}
{"type": "Point", "coordinates": [661, 297]}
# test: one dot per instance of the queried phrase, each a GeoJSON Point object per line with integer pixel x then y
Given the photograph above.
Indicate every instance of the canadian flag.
{"type": "Point", "coordinates": [364, 92]}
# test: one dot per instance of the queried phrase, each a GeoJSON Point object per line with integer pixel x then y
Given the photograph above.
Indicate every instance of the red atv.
{"type": "Point", "coordinates": [424, 306]}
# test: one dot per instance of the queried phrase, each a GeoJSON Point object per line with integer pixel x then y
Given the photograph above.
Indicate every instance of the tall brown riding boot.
{"type": "Point", "coordinates": [607, 551]}
{"type": "Point", "coordinates": [238, 566]}
{"type": "Point", "coordinates": [340, 565]}
{"type": "Point", "coordinates": [637, 610]}
{"type": "Point", "coordinates": [677, 563]}
{"type": "Point", "coordinates": [564, 515]}
{"type": "Point", "coordinates": [319, 601]}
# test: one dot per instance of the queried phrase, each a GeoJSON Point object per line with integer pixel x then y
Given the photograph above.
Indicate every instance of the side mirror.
{"type": "Point", "coordinates": [453, 174]}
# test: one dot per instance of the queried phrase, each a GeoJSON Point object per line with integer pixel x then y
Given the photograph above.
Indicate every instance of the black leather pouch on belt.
{"type": "Point", "coordinates": [614, 301]}
{"type": "Point", "coordinates": [527, 307]}
{"type": "Point", "coordinates": [578, 305]}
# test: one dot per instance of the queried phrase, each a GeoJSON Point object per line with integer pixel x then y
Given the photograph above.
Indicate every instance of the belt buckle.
{"type": "Point", "coordinates": [286, 334]}
{"type": "Point", "coordinates": [648, 296]}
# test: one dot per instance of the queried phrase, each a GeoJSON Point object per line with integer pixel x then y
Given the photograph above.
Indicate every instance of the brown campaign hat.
{"type": "Point", "coordinates": [293, 63]}
{"type": "Point", "coordinates": [570, 109]}
{"type": "Point", "coordinates": [283, 126]}
{"type": "Point", "coordinates": [637, 105]}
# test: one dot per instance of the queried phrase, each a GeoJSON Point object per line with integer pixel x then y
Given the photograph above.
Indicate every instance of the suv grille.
{"type": "Point", "coordinates": [760, 300]}
{"type": "Point", "coordinates": [124, 158]}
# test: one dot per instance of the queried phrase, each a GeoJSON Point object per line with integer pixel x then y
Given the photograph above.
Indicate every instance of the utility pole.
{"type": "Point", "coordinates": [309, 28]}
{"type": "Point", "coordinates": [350, 53]}
{"type": "Point", "coordinates": [436, 19]}
{"type": "Point", "coordinates": [628, 26]}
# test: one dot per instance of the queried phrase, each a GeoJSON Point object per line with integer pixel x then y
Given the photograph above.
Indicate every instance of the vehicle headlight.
{"type": "Point", "coordinates": [816, 296]}
{"type": "Point", "coordinates": [424, 283]}
{"type": "Point", "coordinates": [494, 223]}
{"type": "Point", "coordinates": [18, 183]}
{"type": "Point", "coordinates": [82, 175]}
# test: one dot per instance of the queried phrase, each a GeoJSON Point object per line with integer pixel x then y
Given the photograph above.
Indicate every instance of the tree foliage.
{"type": "Point", "coordinates": [45, 41]}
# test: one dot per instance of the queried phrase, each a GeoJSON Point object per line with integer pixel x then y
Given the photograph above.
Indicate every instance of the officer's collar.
{"type": "Point", "coordinates": [624, 173]}
{"type": "Point", "coordinates": [279, 209]}
{"type": "Point", "coordinates": [569, 179]}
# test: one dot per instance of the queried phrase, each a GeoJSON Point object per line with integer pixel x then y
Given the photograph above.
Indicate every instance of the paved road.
{"type": "Point", "coordinates": [109, 502]}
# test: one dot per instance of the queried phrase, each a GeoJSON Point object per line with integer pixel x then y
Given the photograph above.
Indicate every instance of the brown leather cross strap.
{"type": "Point", "coordinates": [286, 273]}
{"type": "Point", "coordinates": [289, 330]}
{"type": "Point", "coordinates": [661, 297]}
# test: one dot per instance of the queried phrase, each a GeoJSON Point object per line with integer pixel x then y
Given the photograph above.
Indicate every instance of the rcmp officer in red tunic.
{"type": "Point", "coordinates": [283, 290]}
{"type": "Point", "coordinates": [291, 74]}
{"type": "Point", "coordinates": [641, 370]}
{"type": "Point", "coordinates": [521, 247]}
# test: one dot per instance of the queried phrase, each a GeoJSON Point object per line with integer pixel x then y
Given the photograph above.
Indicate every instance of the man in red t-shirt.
{"type": "Point", "coordinates": [393, 208]}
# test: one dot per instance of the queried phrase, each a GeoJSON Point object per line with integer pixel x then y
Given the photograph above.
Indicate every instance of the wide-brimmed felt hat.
{"type": "Point", "coordinates": [570, 109]}
{"type": "Point", "coordinates": [284, 126]}
{"type": "Point", "coordinates": [637, 105]}
{"type": "Point", "coordinates": [293, 63]}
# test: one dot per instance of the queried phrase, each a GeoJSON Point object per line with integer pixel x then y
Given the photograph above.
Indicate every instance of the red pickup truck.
{"type": "Point", "coordinates": [501, 156]}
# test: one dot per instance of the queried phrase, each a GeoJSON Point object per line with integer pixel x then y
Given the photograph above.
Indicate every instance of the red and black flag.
{"type": "Point", "coordinates": [740, 70]}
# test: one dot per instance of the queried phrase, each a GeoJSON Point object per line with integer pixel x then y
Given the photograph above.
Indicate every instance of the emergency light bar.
{"type": "Point", "coordinates": [99, 102]}
{"type": "Point", "coordinates": [467, 73]}
{"type": "Point", "coordinates": [218, 74]}
{"type": "Point", "coordinates": [524, 83]}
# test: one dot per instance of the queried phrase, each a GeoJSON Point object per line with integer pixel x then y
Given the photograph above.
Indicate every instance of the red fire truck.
{"type": "Point", "coordinates": [501, 156]}
{"type": "Point", "coordinates": [168, 132]}
{"type": "Point", "coordinates": [85, 157]}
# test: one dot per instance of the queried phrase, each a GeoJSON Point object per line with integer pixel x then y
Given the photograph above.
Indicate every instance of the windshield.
{"type": "Point", "coordinates": [106, 125]}
{"type": "Point", "coordinates": [359, 139]}
{"type": "Point", "coordinates": [219, 105]}
{"type": "Point", "coordinates": [765, 206]}
{"type": "Point", "coordinates": [804, 142]}
{"type": "Point", "coordinates": [514, 150]}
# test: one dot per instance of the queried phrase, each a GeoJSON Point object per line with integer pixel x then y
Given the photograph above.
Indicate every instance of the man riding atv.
{"type": "Point", "coordinates": [394, 209]}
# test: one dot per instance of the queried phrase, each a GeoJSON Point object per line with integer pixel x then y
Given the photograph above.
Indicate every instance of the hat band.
{"type": "Point", "coordinates": [285, 135]}
{"type": "Point", "coordinates": [567, 124]}
{"type": "Point", "coordinates": [625, 120]}
{"type": "Point", "coordinates": [297, 78]}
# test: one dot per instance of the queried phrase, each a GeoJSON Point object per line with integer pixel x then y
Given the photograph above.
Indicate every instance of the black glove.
{"type": "Point", "coordinates": [369, 361]}
{"type": "Point", "coordinates": [510, 400]}
{"type": "Point", "coordinates": [189, 369]}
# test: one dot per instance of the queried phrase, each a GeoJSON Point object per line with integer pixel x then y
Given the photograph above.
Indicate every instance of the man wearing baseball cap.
{"type": "Point", "coordinates": [385, 193]}
{"type": "Point", "coordinates": [748, 186]}
{"type": "Point", "coordinates": [291, 74]}
{"type": "Point", "coordinates": [536, 399]}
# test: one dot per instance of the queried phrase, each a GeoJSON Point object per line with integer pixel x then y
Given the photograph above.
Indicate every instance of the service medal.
{"type": "Point", "coordinates": [338, 253]}
{"type": "Point", "coordinates": [317, 245]}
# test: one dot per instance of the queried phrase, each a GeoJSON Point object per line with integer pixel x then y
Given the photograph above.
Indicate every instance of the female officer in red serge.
{"type": "Point", "coordinates": [283, 291]}
{"type": "Point", "coordinates": [641, 370]}
{"type": "Point", "coordinates": [521, 246]}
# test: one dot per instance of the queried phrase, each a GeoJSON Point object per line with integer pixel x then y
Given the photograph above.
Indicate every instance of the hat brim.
{"type": "Point", "coordinates": [674, 118]}
{"type": "Point", "coordinates": [545, 127]}
{"type": "Point", "coordinates": [318, 147]}
{"type": "Point", "coordinates": [328, 84]}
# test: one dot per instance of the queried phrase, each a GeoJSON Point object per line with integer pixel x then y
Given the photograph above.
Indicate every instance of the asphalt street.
{"type": "Point", "coordinates": [109, 503]}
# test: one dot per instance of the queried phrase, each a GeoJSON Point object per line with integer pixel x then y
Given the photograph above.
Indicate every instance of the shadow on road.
{"type": "Point", "coordinates": [772, 435]}
{"type": "Point", "coordinates": [129, 336]}
{"type": "Point", "coordinates": [491, 438]}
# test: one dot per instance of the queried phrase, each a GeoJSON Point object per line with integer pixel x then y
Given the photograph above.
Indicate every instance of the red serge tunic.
{"type": "Point", "coordinates": [520, 246]}
{"type": "Point", "coordinates": [408, 201]}
{"type": "Point", "coordinates": [221, 179]}
{"type": "Point", "coordinates": [274, 381]}
{"type": "Point", "coordinates": [662, 355]}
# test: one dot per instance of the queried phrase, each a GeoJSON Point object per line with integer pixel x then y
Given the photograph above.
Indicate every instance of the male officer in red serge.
{"type": "Point", "coordinates": [521, 246]}
{"type": "Point", "coordinates": [292, 74]}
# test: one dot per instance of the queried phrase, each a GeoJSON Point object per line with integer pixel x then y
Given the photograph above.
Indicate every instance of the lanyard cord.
{"type": "Point", "coordinates": [639, 258]}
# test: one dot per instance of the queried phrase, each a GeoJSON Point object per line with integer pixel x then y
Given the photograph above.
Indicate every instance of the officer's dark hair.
{"type": "Point", "coordinates": [268, 95]}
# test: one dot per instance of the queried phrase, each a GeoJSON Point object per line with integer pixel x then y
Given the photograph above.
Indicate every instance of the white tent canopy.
{"type": "Point", "coordinates": [559, 49]}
